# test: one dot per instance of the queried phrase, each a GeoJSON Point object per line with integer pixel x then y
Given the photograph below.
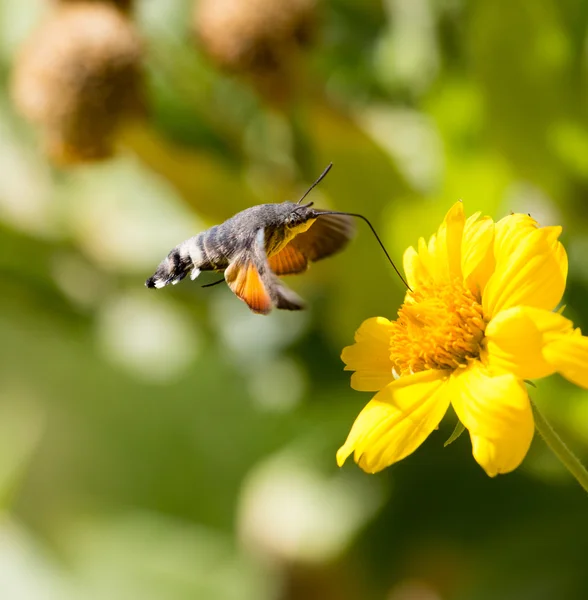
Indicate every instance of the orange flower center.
{"type": "Point", "coordinates": [439, 326]}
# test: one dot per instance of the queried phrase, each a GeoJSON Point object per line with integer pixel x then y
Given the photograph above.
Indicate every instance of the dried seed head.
{"type": "Point", "coordinates": [78, 77]}
{"type": "Point", "coordinates": [258, 38]}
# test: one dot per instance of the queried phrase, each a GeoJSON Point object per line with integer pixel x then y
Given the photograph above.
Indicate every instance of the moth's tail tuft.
{"type": "Point", "coordinates": [171, 270]}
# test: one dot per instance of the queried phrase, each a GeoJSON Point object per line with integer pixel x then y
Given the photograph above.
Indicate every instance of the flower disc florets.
{"type": "Point", "coordinates": [440, 326]}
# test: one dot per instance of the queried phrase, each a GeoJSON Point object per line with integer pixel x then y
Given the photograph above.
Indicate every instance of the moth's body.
{"type": "Point", "coordinates": [254, 247]}
{"type": "Point", "coordinates": [213, 249]}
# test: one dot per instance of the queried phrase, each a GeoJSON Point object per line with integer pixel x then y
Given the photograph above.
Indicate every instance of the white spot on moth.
{"type": "Point", "coordinates": [193, 251]}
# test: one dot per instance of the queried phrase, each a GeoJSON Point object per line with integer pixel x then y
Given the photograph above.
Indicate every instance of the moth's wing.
{"type": "Point", "coordinates": [327, 235]}
{"type": "Point", "coordinates": [246, 281]}
{"type": "Point", "coordinates": [247, 284]}
{"type": "Point", "coordinates": [284, 297]}
{"type": "Point", "coordinates": [249, 277]}
{"type": "Point", "coordinates": [288, 261]}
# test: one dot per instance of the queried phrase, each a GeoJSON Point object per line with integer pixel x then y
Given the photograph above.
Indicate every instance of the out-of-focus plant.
{"type": "Point", "coordinates": [260, 40]}
{"type": "Point", "coordinates": [160, 470]}
{"type": "Point", "coordinates": [78, 78]}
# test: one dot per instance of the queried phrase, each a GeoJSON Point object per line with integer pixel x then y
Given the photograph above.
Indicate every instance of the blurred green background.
{"type": "Point", "coordinates": [172, 445]}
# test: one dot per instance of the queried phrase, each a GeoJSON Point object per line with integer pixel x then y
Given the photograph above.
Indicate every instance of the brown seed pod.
{"type": "Point", "coordinates": [258, 38]}
{"type": "Point", "coordinates": [78, 78]}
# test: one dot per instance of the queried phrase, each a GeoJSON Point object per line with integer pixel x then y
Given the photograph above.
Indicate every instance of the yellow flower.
{"type": "Point", "coordinates": [477, 322]}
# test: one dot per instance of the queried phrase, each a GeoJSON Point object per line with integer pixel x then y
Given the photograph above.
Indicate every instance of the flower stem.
{"type": "Point", "coordinates": [558, 447]}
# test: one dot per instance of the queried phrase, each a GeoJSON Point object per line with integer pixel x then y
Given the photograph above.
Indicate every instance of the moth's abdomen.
{"type": "Point", "coordinates": [189, 256]}
{"type": "Point", "coordinates": [214, 249]}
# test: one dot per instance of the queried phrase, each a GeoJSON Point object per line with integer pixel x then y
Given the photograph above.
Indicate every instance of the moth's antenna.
{"type": "Point", "coordinates": [335, 212]}
{"type": "Point", "coordinates": [321, 177]}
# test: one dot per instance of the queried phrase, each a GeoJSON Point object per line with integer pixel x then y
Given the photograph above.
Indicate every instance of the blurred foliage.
{"type": "Point", "coordinates": [173, 445]}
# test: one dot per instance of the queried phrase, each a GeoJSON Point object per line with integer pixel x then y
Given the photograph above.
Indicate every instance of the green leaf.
{"type": "Point", "coordinates": [459, 429]}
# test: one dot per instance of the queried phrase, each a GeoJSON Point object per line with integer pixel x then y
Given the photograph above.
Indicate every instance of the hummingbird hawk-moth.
{"type": "Point", "coordinates": [259, 244]}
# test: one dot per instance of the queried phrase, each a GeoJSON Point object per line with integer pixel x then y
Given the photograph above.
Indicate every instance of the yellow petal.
{"type": "Point", "coordinates": [569, 356]}
{"type": "Point", "coordinates": [516, 338]}
{"type": "Point", "coordinates": [427, 253]}
{"type": "Point", "coordinates": [477, 253]}
{"type": "Point", "coordinates": [454, 223]}
{"type": "Point", "coordinates": [396, 421]}
{"type": "Point", "coordinates": [447, 250]}
{"type": "Point", "coordinates": [369, 357]}
{"type": "Point", "coordinates": [533, 343]}
{"type": "Point", "coordinates": [531, 267]}
{"type": "Point", "coordinates": [497, 457]}
{"type": "Point", "coordinates": [497, 412]}
{"type": "Point", "coordinates": [511, 230]}
{"type": "Point", "coordinates": [415, 269]}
